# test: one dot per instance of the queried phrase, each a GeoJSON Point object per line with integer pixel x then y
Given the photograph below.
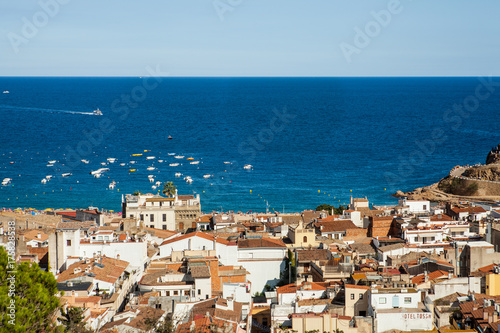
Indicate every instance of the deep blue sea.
{"type": "Point", "coordinates": [310, 140]}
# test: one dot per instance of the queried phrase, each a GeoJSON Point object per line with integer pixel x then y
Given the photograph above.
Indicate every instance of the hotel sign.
{"type": "Point", "coordinates": [421, 315]}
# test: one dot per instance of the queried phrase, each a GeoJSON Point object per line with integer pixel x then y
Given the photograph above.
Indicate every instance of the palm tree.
{"type": "Point", "coordinates": [169, 189]}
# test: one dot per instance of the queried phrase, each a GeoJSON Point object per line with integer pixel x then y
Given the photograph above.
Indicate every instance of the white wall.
{"type": "Point", "coordinates": [377, 300]}
{"type": "Point", "coordinates": [191, 243]}
{"type": "Point", "coordinates": [461, 285]}
{"type": "Point", "coordinates": [263, 264]}
{"type": "Point", "coordinates": [421, 321]}
{"type": "Point", "coordinates": [204, 285]}
{"type": "Point", "coordinates": [135, 253]}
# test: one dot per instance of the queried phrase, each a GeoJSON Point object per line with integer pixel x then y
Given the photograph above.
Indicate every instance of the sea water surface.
{"type": "Point", "coordinates": [310, 140]}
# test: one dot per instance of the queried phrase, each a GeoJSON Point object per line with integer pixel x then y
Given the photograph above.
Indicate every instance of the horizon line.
{"type": "Point", "coordinates": [247, 76]}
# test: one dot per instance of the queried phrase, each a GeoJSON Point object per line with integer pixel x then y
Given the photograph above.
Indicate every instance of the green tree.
{"type": "Point", "coordinates": [169, 189]}
{"type": "Point", "coordinates": [136, 193]}
{"type": "Point", "coordinates": [330, 209]}
{"type": "Point", "coordinates": [31, 298]}
{"type": "Point", "coordinates": [326, 207]}
{"type": "Point", "coordinates": [72, 320]}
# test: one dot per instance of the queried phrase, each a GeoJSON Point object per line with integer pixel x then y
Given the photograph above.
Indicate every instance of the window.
{"type": "Point", "coordinates": [264, 321]}
{"type": "Point", "coordinates": [151, 218]}
{"type": "Point", "coordinates": [164, 217]}
{"type": "Point", "coordinates": [176, 292]}
{"type": "Point", "coordinates": [425, 207]}
{"type": "Point", "coordinates": [142, 217]}
{"type": "Point", "coordinates": [352, 296]}
{"type": "Point", "coordinates": [407, 300]}
{"type": "Point", "coordinates": [360, 296]}
{"type": "Point", "coordinates": [68, 242]}
{"type": "Point", "coordinates": [382, 300]}
{"type": "Point", "coordinates": [199, 291]}
{"type": "Point", "coordinates": [168, 292]}
{"type": "Point", "coordinates": [304, 239]}
{"type": "Point", "coordinates": [164, 227]}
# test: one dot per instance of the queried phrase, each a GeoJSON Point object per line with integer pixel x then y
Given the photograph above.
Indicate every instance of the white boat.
{"type": "Point", "coordinates": [178, 174]}
{"type": "Point", "coordinates": [151, 168]}
{"type": "Point", "coordinates": [247, 166]}
{"type": "Point", "coordinates": [226, 162]}
{"type": "Point", "coordinates": [44, 181]}
{"type": "Point", "coordinates": [111, 160]}
{"type": "Point", "coordinates": [158, 183]}
{"type": "Point", "coordinates": [50, 165]}
{"type": "Point", "coordinates": [150, 157]}
{"type": "Point", "coordinates": [85, 161]}
{"type": "Point", "coordinates": [189, 181]}
{"type": "Point", "coordinates": [97, 112]}
{"type": "Point", "coordinates": [52, 162]}
{"type": "Point", "coordinates": [48, 177]}
{"type": "Point", "coordinates": [151, 180]}
{"type": "Point", "coordinates": [6, 181]}
{"type": "Point", "coordinates": [179, 156]}
{"type": "Point", "coordinates": [5, 91]}
{"type": "Point", "coordinates": [187, 177]}
{"type": "Point", "coordinates": [207, 176]}
{"type": "Point", "coordinates": [174, 164]}
{"type": "Point", "coordinates": [103, 163]}
{"type": "Point", "coordinates": [67, 174]}
{"type": "Point", "coordinates": [112, 185]}
{"type": "Point", "coordinates": [151, 176]}
{"type": "Point", "coordinates": [160, 161]}
{"type": "Point", "coordinates": [194, 162]}
{"type": "Point", "coordinates": [153, 187]}
{"type": "Point", "coordinates": [97, 175]}
{"type": "Point", "coordinates": [171, 154]}
{"type": "Point", "coordinates": [132, 162]}
{"type": "Point", "coordinates": [99, 171]}
{"type": "Point", "coordinates": [122, 164]}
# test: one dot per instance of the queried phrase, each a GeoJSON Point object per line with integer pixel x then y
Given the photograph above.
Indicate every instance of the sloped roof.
{"type": "Point", "coordinates": [33, 235]}
{"type": "Point", "coordinates": [109, 272]}
{"type": "Point", "coordinates": [260, 243]}
{"type": "Point", "coordinates": [292, 288]}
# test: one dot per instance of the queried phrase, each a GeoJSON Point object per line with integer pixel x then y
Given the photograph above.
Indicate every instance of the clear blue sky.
{"type": "Point", "coordinates": [255, 38]}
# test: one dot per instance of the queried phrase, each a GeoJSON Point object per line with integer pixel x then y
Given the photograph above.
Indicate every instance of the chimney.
{"type": "Point", "coordinates": [426, 277]}
{"type": "Point", "coordinates": [39, 235]}
{"type": "Point", "coordinates": [450, 275]}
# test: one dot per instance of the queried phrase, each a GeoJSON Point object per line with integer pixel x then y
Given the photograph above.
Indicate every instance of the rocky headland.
{"type": "Point", "coordinates": [476, 183]}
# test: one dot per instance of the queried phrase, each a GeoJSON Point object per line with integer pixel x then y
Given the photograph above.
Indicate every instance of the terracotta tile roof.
{"type": "Point", "coordinates": [146, 312]}
{"type": "Point", "coordinates": [200, 272]}
{"type": "Point", "coordinates": [335, 226]}
{"type": "Point", "coordinates": [312, 254]}
{"type": "Point", "coordinates": [67, 213]}
{"type": "Point", "coordinates": [355, 286]}
{"type": "Point", "coordinates": [185, 197]}
{"type": "Point", "coordinates": [419, 279]}
{"type": "Point", "coordinates": [488, 269]}
{"type": "Point", "coordinates": [206, 325]}
{"type": "Point", "coordinates": [444, 217]}
{"type": "Point", "coordinates": [33, 235]}
{"type": "Point", "coordinates": [260, 243]}
{"type": "Point", "coordinates": [112, 269]}
{"type": "Point", "coordinates": [292, 288]}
